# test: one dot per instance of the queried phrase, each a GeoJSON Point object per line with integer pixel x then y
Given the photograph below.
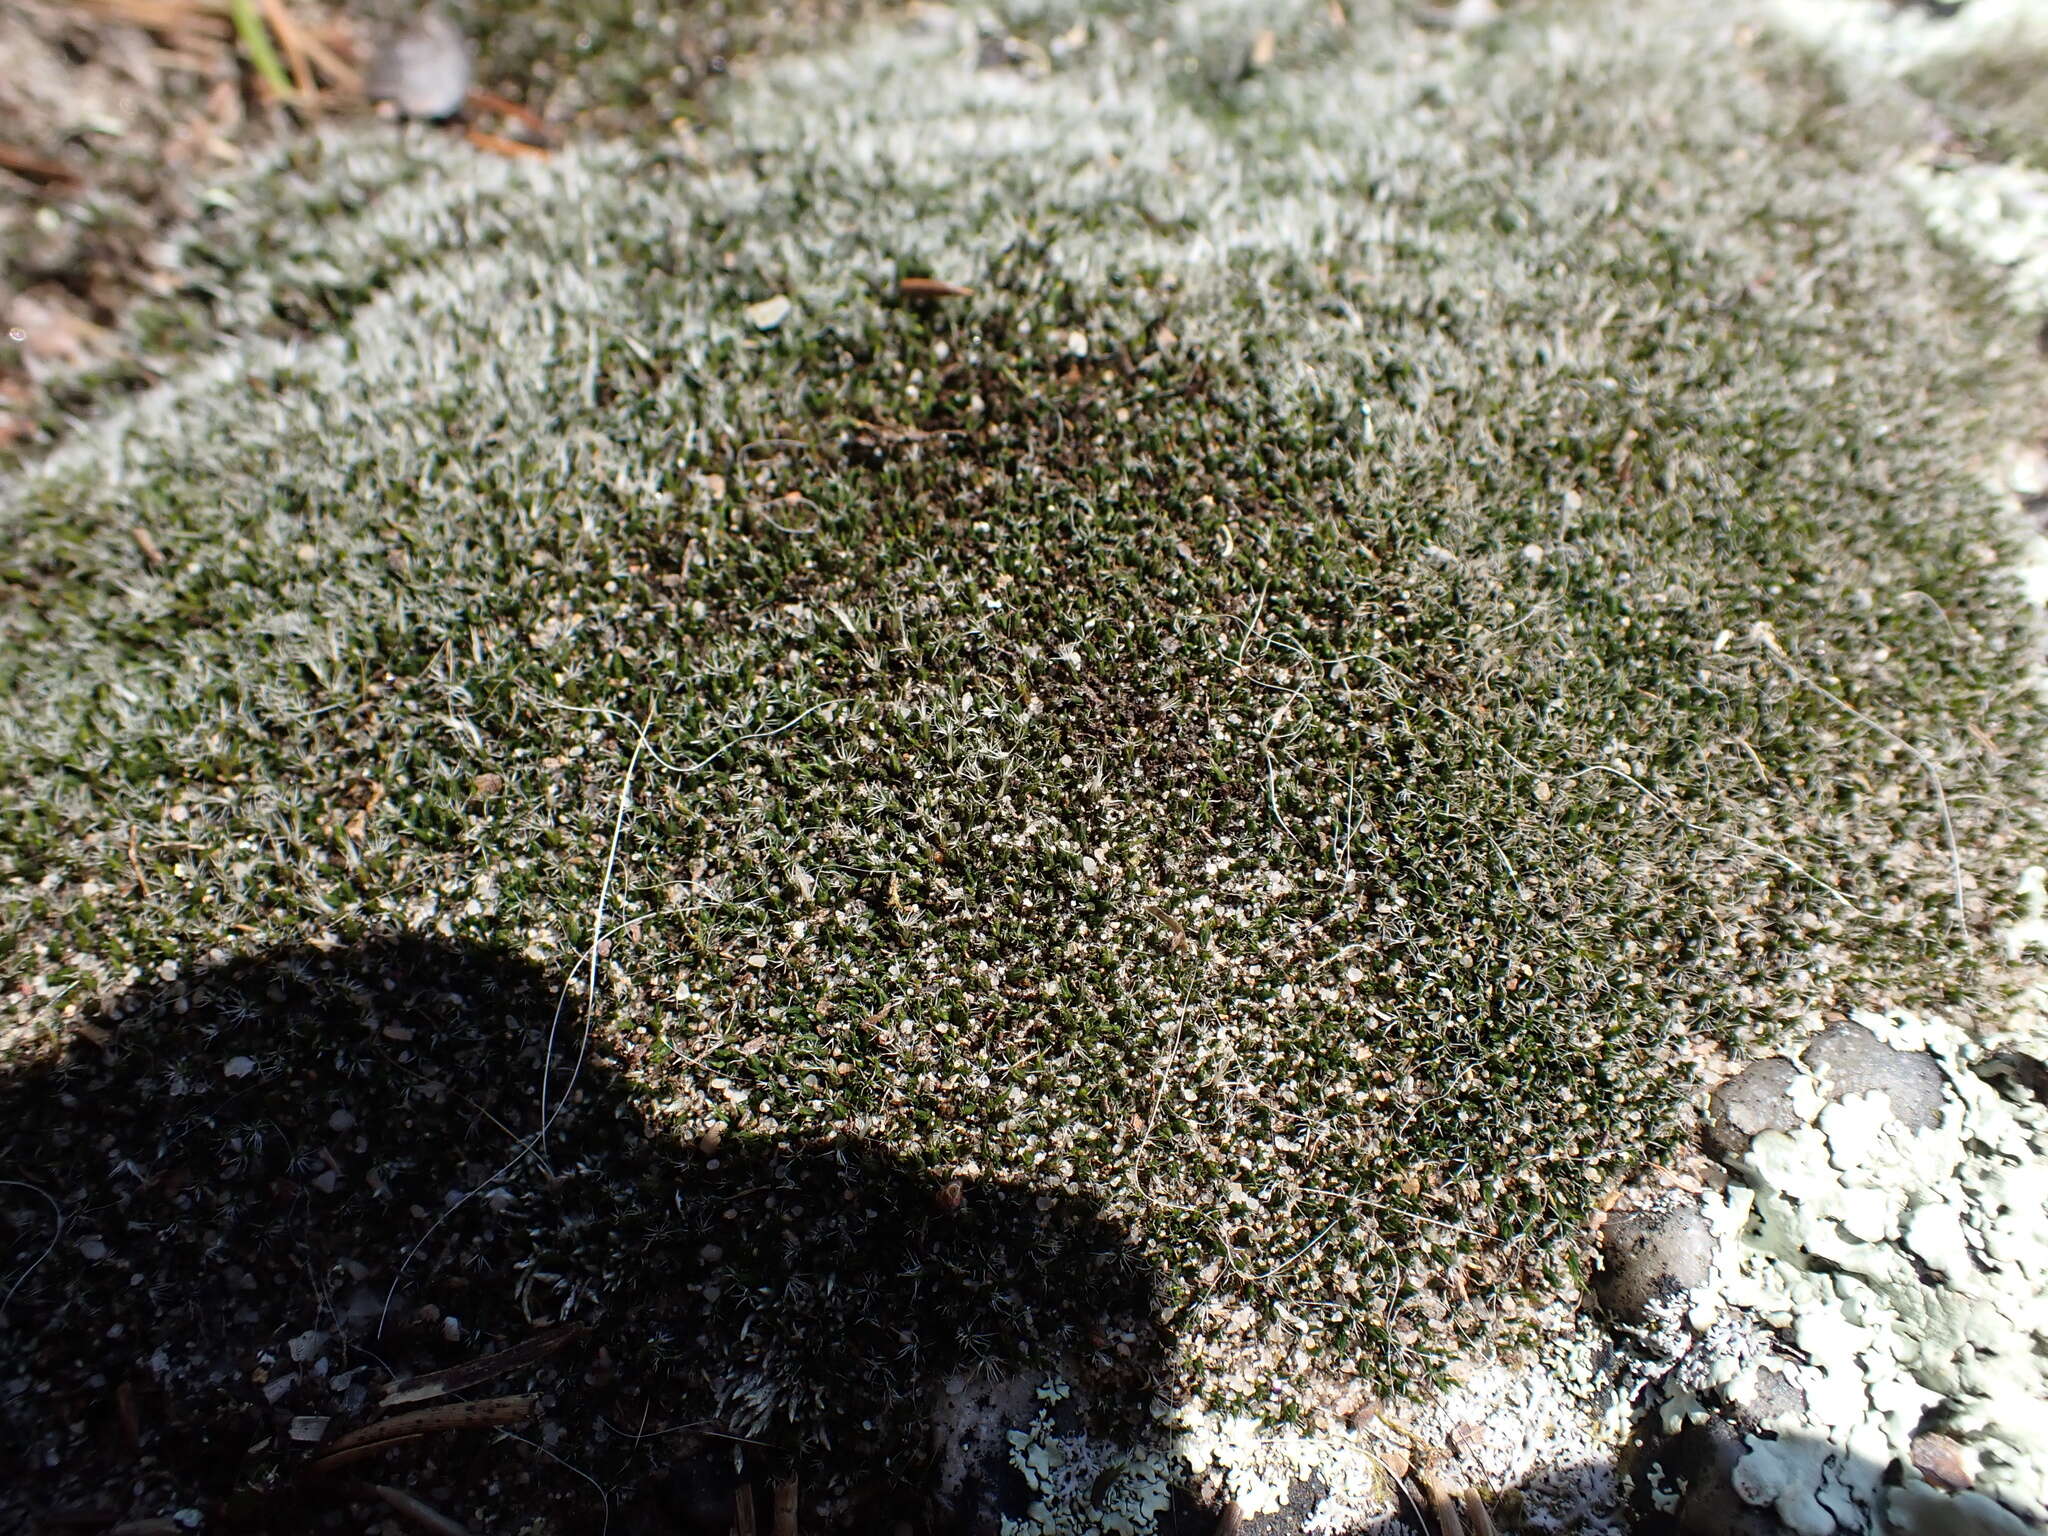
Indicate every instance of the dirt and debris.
{"type": "Point", "coordinates": [115, 112]}
{"type": "Point", "coordinates": [119, 115]}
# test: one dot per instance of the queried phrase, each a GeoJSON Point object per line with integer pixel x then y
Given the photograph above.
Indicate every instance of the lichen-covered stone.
{"type": "Point", "coordinates": [1755, 1100]}
{"type": "Point", "coordinates": [1850, 1060]}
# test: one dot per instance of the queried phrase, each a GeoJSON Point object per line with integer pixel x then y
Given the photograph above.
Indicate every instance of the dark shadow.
{"type": "Point", "coordinates": [245, 1200]}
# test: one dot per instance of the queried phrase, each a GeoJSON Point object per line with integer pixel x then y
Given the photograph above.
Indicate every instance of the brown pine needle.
{"type": "Point", "coordinates": [498, 144]}
{"type": "Point", "coordinates": [932, 288]}
{"type": "Point", "coordinates": [490, 101]}
{"type": "Point", "coordinates": [345, 76]}
{"type": "Point", "coordinates": [26, 162]}
{"type": "Point", "coordinates": [288, 36]}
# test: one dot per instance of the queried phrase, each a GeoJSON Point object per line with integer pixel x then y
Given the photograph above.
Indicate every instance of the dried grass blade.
{"type": "Point", "coordinates": [474, 1373]}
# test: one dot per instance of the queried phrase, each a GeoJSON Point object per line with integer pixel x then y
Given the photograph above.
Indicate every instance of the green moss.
{"type": "Point", "coordinates": [1291, 711]}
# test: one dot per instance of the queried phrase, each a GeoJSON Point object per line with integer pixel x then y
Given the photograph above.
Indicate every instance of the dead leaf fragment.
{"type": "Point", "coordinates": [1942, 1461]}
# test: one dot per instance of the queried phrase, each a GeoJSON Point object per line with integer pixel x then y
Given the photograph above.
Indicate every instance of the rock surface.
{"type": "Point", "coordinates": [1656, 1254]}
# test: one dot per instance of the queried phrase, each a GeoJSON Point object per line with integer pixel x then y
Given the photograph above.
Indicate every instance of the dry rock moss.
{"type": "Point", "coordinates": [1430, 577]}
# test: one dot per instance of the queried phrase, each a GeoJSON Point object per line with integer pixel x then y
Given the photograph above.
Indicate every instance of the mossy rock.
{"type": "Point", "coordinates": [1429, 574]}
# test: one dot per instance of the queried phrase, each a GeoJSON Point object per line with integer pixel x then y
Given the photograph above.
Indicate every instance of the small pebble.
{"type": "Point", "coordinates": [424, 68]}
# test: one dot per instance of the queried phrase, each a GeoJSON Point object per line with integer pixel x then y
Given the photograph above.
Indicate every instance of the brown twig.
{"type": "Point", "coordinates": [129, 1418]}
{"type": "Point", "coordinates": [418, 1511]}
{"type": "Point", "coordinates": [785, 1508]}
{"type": "Point", "coordinates": [906, 434]}
{"type": "Point", "coordinates": [135, 863]}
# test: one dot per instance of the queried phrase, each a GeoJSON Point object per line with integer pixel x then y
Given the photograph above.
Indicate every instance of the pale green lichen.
{"type": "Point", "coordinates": [1908, 1268]}
{"type": "Point", "coordinates": [1998, 213]}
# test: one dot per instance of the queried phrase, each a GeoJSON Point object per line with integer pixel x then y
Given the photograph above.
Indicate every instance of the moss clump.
{"type": "Point", "coordinates": [1396, 611]}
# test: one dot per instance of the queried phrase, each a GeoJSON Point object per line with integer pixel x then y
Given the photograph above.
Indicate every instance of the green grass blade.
{"type": "Point", "coordinates": [263, 57]}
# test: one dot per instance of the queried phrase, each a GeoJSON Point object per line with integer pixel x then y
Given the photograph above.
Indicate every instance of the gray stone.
{"type": "Point", "coordinates": [1755, 1100]}
{"type": "Point", "coordinates": [423, 68]}
{"type": "Point", "coordinates": [1652, 1255]}
{"type": "Point", "coordinates": [1850, 1059]}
